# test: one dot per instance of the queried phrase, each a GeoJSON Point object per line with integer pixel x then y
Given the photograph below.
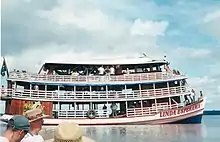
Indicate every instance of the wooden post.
{"type": "Point", "coordinates": [155, 98]}
{"type": "Point", "coordinates": [30, 90]}
{"type": "Point", "coordinates": [141, 100]}
{"type": "Point", "coordinates": [126, 104]}
{"type": "Point", "coordinates": [168, 88]}
{"type": "Point", "coordinates": [46, 91]}
{"type": "Point", "coordinates": [106, 90]}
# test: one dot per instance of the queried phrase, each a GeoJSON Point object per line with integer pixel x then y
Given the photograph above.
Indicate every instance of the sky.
{"type": "Point", "coordinates": [187, 32]}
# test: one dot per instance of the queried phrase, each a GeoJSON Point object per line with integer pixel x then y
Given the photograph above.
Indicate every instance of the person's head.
{"type": "Point", "coordinates": [35, 117]}
{"type": "Point", "coordinates": [36, 125]}
{"type": "Point", "coordinates": [17, 127]}
{"type": "Point", "coordinates": [201, 93]}
{"type": "Point", "coordinates": [69, 132]}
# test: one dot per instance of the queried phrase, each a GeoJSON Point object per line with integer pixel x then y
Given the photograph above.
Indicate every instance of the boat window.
{"type": "Point", "coordinates": [175, 99]}
{"type": "Point", "coordinates": [116, 87]}
{"type": "Point", "coordinates": [82, 88]}
{"type": "Point", "coordinates": [146, 86]}
{"type": "Point", "coordinates": [174, 83]}
{"type": "Point", "coordinates": [55, 106]}
{"type": "Point", "coordinates": [133, 86]}
{"type": "Point", "coordinates": [98, 88]}
{"type": "Point", "coordinates": [161, 85]}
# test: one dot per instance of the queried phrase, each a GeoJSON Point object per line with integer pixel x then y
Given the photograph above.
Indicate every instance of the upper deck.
{"type": "Point", "coordinates": [115, 71]}
{"type": "Point", "coordinates": [141, 77]}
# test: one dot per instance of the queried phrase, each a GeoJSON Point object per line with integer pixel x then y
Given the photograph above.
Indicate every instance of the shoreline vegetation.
{"type": "Point", "coordinates": [211, 112]}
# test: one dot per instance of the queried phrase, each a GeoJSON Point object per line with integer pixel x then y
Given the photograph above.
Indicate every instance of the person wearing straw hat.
{"type": "Point", "coordinates": [18, 126]}
{"type": "Point", "coordinates": [35, 116]}
{"type": "Point", "coordinates": [69, 132]}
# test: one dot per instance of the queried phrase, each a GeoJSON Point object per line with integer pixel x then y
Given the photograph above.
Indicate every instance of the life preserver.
{"type": "Point", "coordinates": [91, 114]}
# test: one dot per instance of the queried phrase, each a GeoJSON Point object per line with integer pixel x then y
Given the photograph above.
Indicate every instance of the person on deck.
{"type": "Point", "coordinates": [112, 70]}
{"type": "Point", "coordinates": [104, 109]}
{"type": "Point", "coordinates": [201, 96]}
{"type": "Point", "coordinates": [114, 109]}
{"type": "Point", "coordinates": [101, 70]}
{"type": "Point", "coordinates": [17, 127]}
{"type": "Point", "coordinates": [35, 117]}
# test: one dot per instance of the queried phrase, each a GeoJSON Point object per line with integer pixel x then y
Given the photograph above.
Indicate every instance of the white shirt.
{"type": "Point", "coordinates": [36, 87]}
{"type": "Point", "coordinates": [112, 70]}
{"type": "Point", "coordinates": [101, 70]}
{"type": "Point", "coordinates": [3, 139]}
{"type": "Point", "coordinates": [34, 138]}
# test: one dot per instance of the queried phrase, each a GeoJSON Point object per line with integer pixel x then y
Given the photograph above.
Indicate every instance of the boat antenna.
{"type": "Point", "coordinates": [145, 55]}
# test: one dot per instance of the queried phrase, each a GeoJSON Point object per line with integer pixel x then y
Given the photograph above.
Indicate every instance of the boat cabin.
{"type": "Point", "coordinates": [111, 67]}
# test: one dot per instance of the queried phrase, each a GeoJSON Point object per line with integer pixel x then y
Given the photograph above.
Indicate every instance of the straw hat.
{"type": "Point", "coordinates": [35, 114]}
{"type": "Point", "coordinates": [69, 132]}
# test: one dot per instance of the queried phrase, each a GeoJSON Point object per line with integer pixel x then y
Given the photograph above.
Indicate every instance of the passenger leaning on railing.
{"type": "Point", "coordinates": [201, 96]}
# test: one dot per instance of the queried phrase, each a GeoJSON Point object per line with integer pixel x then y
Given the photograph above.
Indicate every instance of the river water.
{"type": "Point", "coordinates": [208, 131]}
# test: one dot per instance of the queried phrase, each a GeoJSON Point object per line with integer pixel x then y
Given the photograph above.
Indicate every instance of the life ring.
{"type": "Point", "coordinates": [91, 114]}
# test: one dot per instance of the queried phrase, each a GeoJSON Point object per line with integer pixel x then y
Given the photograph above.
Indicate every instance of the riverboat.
{"type": "Point", "coordinates": [106, 92]}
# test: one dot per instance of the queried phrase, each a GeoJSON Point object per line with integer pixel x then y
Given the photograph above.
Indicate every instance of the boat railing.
{"type": "Point", "coordinates": [93, 95]}
{"type": "Point", "coordinates": [131, 112]}
{"type": "Point", "coordinates": [105, 78]}
{"type": "Point", "coordinates": [151, 110]}
{"type": "Point", "coordinates": [80, 113]}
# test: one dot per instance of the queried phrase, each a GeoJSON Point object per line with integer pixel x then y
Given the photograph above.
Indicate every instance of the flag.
{"type": "Point", "coordinates": [4, 68]}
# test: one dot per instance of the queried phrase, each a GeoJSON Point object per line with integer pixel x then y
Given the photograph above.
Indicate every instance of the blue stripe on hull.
{"type": "Point", "coordinates": [191, 120]}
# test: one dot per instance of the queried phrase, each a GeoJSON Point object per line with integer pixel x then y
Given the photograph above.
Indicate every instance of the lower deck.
{"type": "Point", "coordinates": [104, 109]}
{"type": "Point", "coordinates": [191, 113]}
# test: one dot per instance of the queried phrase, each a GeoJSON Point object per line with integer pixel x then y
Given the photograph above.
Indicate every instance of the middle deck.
{"type": "Point", "coordinates": [86, 96]}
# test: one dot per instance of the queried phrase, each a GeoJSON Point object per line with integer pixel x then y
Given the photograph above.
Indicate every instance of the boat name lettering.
{"type": "Point", "coordinates": [179, 111]}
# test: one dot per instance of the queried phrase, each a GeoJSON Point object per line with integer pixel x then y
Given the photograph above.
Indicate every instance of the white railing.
{"type": "Point", "coordinates": [79, 113]}
{"type": "Point", "coordinates": [150, 110]}
{"type": "Point", "coordinates": [101, 95]}
{"type": "Point", "coordinates": [131, 112]}
{"type": "Point", "coordinates": [113, 78]}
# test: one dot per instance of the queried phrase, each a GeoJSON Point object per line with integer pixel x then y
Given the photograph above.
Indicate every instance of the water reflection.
{"type": "Point", "coordinates": [165, 133]}
{"type": "Point", "coordinates": [151, 133]}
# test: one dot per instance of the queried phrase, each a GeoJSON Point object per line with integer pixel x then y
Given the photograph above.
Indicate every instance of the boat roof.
{"type": "Point", "coordinates": [112, 61]}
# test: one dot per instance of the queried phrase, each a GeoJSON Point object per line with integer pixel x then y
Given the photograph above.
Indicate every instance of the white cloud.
{"type": "Point", "coordinates": [67, 14]}
{"type": "Point", "coordinates": [210, 87]}
{"type": "Point", "coordinates": [201, 53]}
{"type": "Point", "coordinates": [149, 28]}
{"type": "Point", "coordinates": [190, 53]}
{"type": "Point", "coordinates": [107, 33]}
{"type": "Point", "coordinates": [32, 59]}
{"type": "Point", "coordinates": [219, 89]}
{"type": "Point", "coordinates": [103, 35]}
{"type": "Point", "coordinates": [212, 22]}
{"type": "Point", "coordinates": [212, 16]}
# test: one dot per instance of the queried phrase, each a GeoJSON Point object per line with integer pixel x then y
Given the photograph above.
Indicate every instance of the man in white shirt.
{"type": "Point", "coordinates": [112, 70]}
{"type": "Point", "coordinates": [17, 127]}
{"type": "Point", "coordinates": [101, 70]}
{"type": "Point", "coordinates": [35, 117]}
